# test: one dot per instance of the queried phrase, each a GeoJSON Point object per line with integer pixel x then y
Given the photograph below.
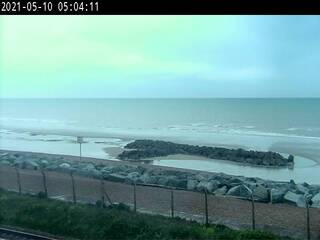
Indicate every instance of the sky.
{"type": "Point", "coordinates": [159, 56]}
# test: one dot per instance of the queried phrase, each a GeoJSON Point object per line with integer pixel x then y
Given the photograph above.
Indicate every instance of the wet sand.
{"type": "Point", "coordinates": [310, 150]}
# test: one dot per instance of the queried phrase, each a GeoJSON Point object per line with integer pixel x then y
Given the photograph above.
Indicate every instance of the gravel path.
{"type": "Point", "coordinates": [278, 218]}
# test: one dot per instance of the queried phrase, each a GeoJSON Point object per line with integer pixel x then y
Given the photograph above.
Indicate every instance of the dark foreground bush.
{"type": "Point", "coordinates": [92, 222]}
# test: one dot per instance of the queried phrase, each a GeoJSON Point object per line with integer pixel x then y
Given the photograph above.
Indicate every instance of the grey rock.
{"type": "Point", "coordinates": [291, 158]}
{"type": "Point", "coordinates": [201, 177]}
{"type": "Point", "coordinates": [215, 184]}
{"type": "Point", "coordinates": [234, 182]}
{"type": "Point", "coordinates": [221, 191]}
{"type": "Point", "coordinates": [89, 170]}
{"type": "Point", "coordinates": [277, 194]}
{"type": "Point", "coordinates": [239, 191]}
{"type": "Point", "coordinates": [44, 163]}
{"type": "Point", "coordinates": [294, 198]}
{"type": "Point", "coordinates": [174, 181]}
{"type": "Point", "coordinates": [163, 181]}
{"type": "Point", "coordinates": [192, 184]}
{"type": "Point", "coordinates": [301, 188]}
{"type": "Point", "coordinates": [132, 177]}
{"type": "Point", "coordinates": [65, 165]}
{"type": "Point", "coordinates": [5, 162]}
{"type": "Point", "coordinates": [261, 193]}
{"type": "Point", "coordinates": [115, 177]}
{"type": "Point", "coordinates": [204, 185]}
{"type": "Point", "coordinates": [316, 200]}
{"type": "Point", "coordinates": [30, 165]}
{"type": "Point", "coordinates": [144, 178]}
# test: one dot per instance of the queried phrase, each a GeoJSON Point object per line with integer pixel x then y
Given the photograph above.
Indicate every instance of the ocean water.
{"type": "Point", "coordinates": [290, 126]}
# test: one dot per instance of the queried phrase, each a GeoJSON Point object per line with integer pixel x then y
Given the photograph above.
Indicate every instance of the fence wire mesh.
{"type": "Point", "coordinates": [281, 219]}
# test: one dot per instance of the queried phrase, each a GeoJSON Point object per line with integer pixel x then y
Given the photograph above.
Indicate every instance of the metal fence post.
{"type": "Point", "coordinates": [206, 207]}
{"type": "Point", "coordinates": [44, 178]}
{"type": "Point", "coordinates": [308, 220]}
{"type": "Point", "coordinates": [73, 188]}
{"type": "Point", "coordinates": [102, 192]}
{"type": "Point", "coordinates": [172, 204]}
{"type": "Point", "coordinates": [134, 197]}
{"type": "Point", "coordinates": [270, 196]}
{"type": "Point", "coordinates": [18, 179]}
{"type": "Point", "coordinates": [253, 212]}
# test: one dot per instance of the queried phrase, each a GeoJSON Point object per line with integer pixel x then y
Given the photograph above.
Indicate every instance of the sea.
{"type": "Point", "coordinates": [288, 126]}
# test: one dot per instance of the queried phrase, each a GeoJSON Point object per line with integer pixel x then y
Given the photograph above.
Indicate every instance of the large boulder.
{"type": "Point", "coordinates": [163, 180]}
{"type": "Point", "coordinates": [202, 177]}
{"type": "Point", "coordinates": [144, 178]}
{"type": "Point", "coordinates": [239, 191]}
{"type": "Point", "coordinates": [277, 194]}
{"type": "Point", "coordinates": [65, 166]}
{"type": "Point", "coordinates": [88, 170]}
{"type": "Point", "coordinates": [115, 177]}
{"type": "Point", "coordinates": [316, 200]}
{"type": "Point", "coordinates": [235, 182]}
{"type": "Point", "coordinates": [192, 184]}
{"type": "Point", "coordinates": [5, 162]}
{"type": "Point", "coordinates": [294, 198]}
{"type": "Point", "coordinates": [215, 184]}
{"type": "Point", "coordinates": [302, 188]}
{"type": "Point", "coordinates": [208, 186]}
{"type": "Point", "coordinates": [261, 193]}
{"type": "Point", "coordinates": [132, 177]}
{"type": "Point", "coordinates": [221, 191]}
{"type": "Point", "coordinates": [31, 165]}
{"type": "Point", "coordinates": [44, 163]}
{"type": "Point", "coordinates": [174, 181]}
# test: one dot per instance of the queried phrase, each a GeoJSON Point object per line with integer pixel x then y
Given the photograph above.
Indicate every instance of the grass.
{"type": "Point", "coordinates": [83, 221]}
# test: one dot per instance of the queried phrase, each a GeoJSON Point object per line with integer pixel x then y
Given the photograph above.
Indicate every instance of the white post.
{"type": "Point", "coordinates": [80, 141]}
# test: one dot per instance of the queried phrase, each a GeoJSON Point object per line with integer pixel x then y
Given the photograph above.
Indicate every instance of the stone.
{"type": "Point", "coordinates": [5, 162]}
{"type": "Point", "coordinates": [290, 158]}
{"type": "Point", "coordinates": [44, 163]}
{"type": "Point", "coordinates": [239, 191]}
{"type": "Point", "coordinates": [215, 184]}
{"type": "Point", "coordinates": [316, 200]}
{"type": "Point", "coordinates": [221, 191]}
{"type": "Point", "coordinates": [144, 178]}
{"type": "Point", "coordinates": [261, 193]}
{"type": "Point", "coordinates": [234, 182]}
{"type": "Point", "coordinates": [163, 181]}
{"type": "Point", "coordinates": [277, 194]}
{"type": "Point", "coordinates": [204, 185]}
{"type": "Point", "coordinates": [302, 189]}
{"type": "Point", "coordinates": [201, 177]}
{"type": "Point", "coordinates": [173, 181]}
{"type": "Point", "coordinates": [115, 177]}
{"type": "Point", "coordinates": [294, 198]}
{"type": "Point", "coordinates": [132, 177]}
{"type": "Point", "coordinates": [192, 184]}
{"type": "Point", "coordinates": [89, 170]}
{"type": "Point", "coordinates": [65, 165]}
{"type": "Point", "coordinates": [30, 165]}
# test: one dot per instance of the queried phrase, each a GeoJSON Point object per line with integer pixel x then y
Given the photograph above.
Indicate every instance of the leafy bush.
{"type": "Point", "coordinates": [120, 206]}
{"type": "Point", "coordinates": [41, 195]}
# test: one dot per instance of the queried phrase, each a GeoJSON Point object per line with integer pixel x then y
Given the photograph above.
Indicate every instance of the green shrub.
{"type": "Point", "coordinates": [100, 204]}
{"type": "Point", "coordinates": [121, 206]}
{"type": "Point", "coordinates": [42, 195]}
{"type": "Point", "coordinates": [83, 221]}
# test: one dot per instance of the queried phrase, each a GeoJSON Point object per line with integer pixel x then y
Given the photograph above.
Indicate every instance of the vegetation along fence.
{"type": "Point", "coordinates": [283, 219]}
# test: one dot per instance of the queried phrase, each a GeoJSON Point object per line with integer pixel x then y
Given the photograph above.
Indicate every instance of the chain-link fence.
{"type": "Point", "coordinates": [280, 219]}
